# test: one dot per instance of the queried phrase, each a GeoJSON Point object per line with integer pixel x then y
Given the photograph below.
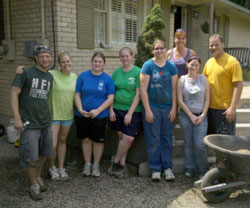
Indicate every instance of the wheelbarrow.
{"type": "Point", "coordinates": [232, 166]}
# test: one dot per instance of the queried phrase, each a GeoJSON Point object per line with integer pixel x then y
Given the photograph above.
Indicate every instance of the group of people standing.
{"type": "Point", "coordinates": [130, 96]}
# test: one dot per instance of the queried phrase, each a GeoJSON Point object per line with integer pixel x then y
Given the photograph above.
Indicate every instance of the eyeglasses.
{"type": "Point", "coordinates": [180, 29]}
{"type": "Point", "coordinates": [159, 49]}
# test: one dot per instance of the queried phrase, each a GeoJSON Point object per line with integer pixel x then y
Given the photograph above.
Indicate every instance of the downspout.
{"type": "Point", "coordinates": [8, 19]}
{"type": "Point", "coordinates": [53, 29]}
{"type": "Point", "coordinates": [211, 17]}
{"type": "Point", "coordinates": [42, 20]}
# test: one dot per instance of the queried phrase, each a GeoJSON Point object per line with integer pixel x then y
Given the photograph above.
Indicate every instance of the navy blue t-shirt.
{"type": "Point", "coordinates": [160, 83]}
{"type": "Point", "coordinates": [94, 90]}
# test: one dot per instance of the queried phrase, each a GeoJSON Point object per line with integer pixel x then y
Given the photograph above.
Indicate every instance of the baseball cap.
{"type": "Point", "coordinates": [42, 49]}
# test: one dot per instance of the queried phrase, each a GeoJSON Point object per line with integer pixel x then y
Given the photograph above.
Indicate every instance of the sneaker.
{"type": "Point", "coordinates": [156, 176]}
{"type": "Point", "coordinates": [118, 173]}
{"type": "Point", "coordinates": [189, 174]}
{"type": "Point", "coordinates": [62, 173]}
{"type": "Point", "coordinates": [87, 169]}
{"type": "Point", "coordinates": [54, 174]}
{"type": "Point", "coordinates": [35, 192]}
{"type": "Point", "coordinates": [169, 175]}
{"type": "Point", "coordinates": [96, 170]}
{"type": "Point", "coordinates": [41, 183]}
{"type": "Point", "coordinates": [113, 168]}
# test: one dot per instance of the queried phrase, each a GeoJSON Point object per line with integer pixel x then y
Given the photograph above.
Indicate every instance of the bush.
{"type": "Point", "coordinates": [152, 28]}
{"type": "Point", "coordinates": [246, 74]}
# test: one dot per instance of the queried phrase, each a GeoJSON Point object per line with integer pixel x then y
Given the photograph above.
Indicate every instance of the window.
{"type": "Point", "coordinates": [124, 22]}
{"type": "Point", "coordinates": [1, 22]}
{"type": "Point", "coordinates": [123, 28]}
{"type": "Point", "coordinates": [100, 21]}
{"type": "Point", "coordinates": [107, 22]}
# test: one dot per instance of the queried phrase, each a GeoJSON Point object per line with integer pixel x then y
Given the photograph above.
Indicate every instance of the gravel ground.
{"type": "Point", "coordinates": [105, 191]}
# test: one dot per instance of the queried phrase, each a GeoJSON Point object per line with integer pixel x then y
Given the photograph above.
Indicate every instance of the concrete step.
{"type": "Point", "coordinates": [244, 103]}
{"type": "Point", "coordinates": [178, 167]}
{"type": "Point", "coordinates": [243, 115]}
{"type": "Point", "coordinates": [243, 129]}
{"type": "Point", "coordinates": [178, 150]}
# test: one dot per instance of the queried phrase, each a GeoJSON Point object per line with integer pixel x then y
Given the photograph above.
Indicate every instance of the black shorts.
{"type": "Point", "coordinates": [94, 129]}
{"type": "Point", "coordinates": [133, 128]}
{"type": "Point", "coordinates": [217, 123]}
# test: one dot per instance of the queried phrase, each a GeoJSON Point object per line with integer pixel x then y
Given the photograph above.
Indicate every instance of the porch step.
{"type": "Point", "coordinates": [178, 167]}
{"type": "Point", "coordinates": [243, 115]}
{"type": "Point", "coordinates": [243, 129]}
{"type": "Point", "coordinates": [178, 149]}
{"type": "Point", "coordinates": [244, 103]}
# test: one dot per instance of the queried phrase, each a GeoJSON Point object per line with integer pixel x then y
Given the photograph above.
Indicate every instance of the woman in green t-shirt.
{"type": "Point", "coordinates": [125, 113]}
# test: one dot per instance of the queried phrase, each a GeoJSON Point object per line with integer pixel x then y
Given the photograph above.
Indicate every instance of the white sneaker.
{"type": "Point", "coordinates": [156, 176]}
{"type": "Point", "coordinates": [54, 174]}
{"type": "Point", "coordinates": [35, 192]}
{"type": "Point", "coordinates": [87, 169]}
{"type": "Point", "coordinates": [169, 175]}
{"type": "Point", "coordinates": [41, 183]}
{"type": "Point", "coordinates": [62, 173]}
{"type": "Point", "coordinates": [96, 170]}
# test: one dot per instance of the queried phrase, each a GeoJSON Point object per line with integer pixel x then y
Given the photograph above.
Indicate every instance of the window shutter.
{"type": "Point", "coordinates": [85, 24]}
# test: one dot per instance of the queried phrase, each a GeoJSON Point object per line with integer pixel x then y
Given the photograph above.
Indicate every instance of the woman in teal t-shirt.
{"type": "Point", "coordinates": [61, 100]}
{"type": "Point", "coordinates": [125, 113]}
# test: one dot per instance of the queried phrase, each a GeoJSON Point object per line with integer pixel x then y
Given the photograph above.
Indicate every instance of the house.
{"type": "Point", "coordinates": [84, 26]}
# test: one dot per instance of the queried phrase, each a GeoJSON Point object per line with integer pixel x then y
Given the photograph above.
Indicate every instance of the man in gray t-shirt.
{"type": "Point", "coordinates": [29, 102]}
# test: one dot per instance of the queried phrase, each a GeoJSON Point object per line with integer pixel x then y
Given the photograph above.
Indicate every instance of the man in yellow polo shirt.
{"type": "Point", "coordinates": [224, 75]}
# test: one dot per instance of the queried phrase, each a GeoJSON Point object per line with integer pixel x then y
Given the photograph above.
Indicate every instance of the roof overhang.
{"type": "Point", "coordinates": [224, 6]}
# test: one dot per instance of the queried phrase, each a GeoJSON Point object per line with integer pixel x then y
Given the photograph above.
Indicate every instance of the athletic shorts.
{"type": "Point", "coordinates": [62, 122]}
{"type": "Point", "coordinates": [217, 123]}
{"type": "Point", "coordinates": [35, 143]}
{"type": "Point", "coordinates": [94, 129]}
{"type": "Point", "coordinates": [133, 128]}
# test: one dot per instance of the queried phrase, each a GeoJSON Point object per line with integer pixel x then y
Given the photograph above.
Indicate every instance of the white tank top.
{"type": "Point", "coordinates": [194, 92]}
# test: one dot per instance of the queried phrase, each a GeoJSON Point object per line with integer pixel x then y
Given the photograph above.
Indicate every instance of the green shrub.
{"type": "Point", "coordinates": [152, 30]}
{"type": "Point", "coordinates": [246, 74]}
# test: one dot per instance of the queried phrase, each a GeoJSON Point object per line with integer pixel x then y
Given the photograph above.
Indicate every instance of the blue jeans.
{"type": "Point", "coordinates": [195, 149]}
{"type": "Point", "coordinates": [158, 137]}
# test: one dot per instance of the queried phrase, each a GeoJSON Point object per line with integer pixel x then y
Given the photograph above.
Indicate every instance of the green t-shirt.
{"type": "Point", "coordinates": [61, 97]}
{"type": "Point", "coordinates": [125, 88]}
{"type": "Point", "coordinates": [33, 99]}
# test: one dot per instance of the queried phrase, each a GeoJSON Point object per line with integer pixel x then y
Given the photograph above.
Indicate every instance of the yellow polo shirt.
{"type": "Point", "coordinates": [221, 73]}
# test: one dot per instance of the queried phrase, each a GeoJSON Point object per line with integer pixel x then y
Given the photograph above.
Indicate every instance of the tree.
{"type": "Point", "coordinates": [152, 30]}
{"type": "Point", "coordinates": [244, 3]}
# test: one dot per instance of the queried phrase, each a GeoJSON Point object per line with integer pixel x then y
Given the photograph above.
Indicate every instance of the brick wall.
{"type": "Point", "coordinates": [199, 40]}
{"type": "Point", "coordinates": [25, 25]}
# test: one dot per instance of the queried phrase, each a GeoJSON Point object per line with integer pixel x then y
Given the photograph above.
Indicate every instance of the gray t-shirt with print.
{"type": "Point", "coordinates": [33, 99]}
{"type": "Point", "coordinates": [194, 92]}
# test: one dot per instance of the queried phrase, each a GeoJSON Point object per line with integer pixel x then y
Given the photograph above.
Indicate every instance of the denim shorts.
{"type": "Point", "coordinates": [62, 122]}
{"type": "Point", "coordinates": [133, 128]}
{"type": "Point", "coordinates": [35, 143]}
{"type": "Point", "coordinates": [94, 129]}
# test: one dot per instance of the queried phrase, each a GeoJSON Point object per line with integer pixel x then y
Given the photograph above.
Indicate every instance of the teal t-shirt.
{"type": "Point", "coordinates": [61, 98]}
{"type": "Point", "coordinates": [125, 88]}
{"type": "Point", "coordinates": [33, 99]}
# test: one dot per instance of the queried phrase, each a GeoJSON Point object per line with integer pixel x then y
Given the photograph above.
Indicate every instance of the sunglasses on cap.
{"type": "Point", "coordinates": [180, 29]}
{"type": "Point", "coordinates": [42, 49]}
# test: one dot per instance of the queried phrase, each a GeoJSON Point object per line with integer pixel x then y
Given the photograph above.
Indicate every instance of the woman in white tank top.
{"type": "Point", "coordinates": [193, 98]}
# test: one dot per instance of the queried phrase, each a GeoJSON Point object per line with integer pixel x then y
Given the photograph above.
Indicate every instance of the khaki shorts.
{"type": "Point", "coordinates": [35, 143]}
